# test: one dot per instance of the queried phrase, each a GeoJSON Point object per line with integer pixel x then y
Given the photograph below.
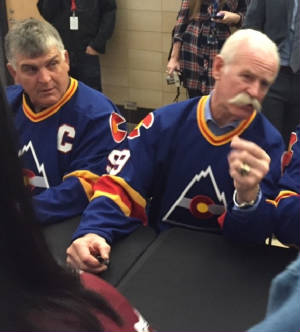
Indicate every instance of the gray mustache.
{"type": "Point", "coordinates": [244, 99]}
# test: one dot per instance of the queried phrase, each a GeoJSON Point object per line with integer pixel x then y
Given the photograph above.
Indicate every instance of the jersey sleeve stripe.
{"type": "Point", "coordinates": [131, 203]}
{"type": "Point", "coordinates": [282, 195]}
{"type": "Point", "coordinates": [86, 179]}
{"type": "Point", "coordinates": [117, 199]}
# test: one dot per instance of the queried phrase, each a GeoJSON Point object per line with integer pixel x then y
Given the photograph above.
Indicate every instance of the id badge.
{"type": "Point", "coordinates": [74, 24]}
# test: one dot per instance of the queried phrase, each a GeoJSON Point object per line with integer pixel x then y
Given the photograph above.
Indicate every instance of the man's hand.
{"type": "Point", "coordinates": [83, 251]}
{"type": "Point", "coordinates": [248, 164]}
{"type": "Point", "coordinates": [89, 50]}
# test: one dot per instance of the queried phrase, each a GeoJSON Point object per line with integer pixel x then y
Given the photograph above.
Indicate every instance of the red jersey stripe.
{"type": "Point", "coordinates": [131, 203]}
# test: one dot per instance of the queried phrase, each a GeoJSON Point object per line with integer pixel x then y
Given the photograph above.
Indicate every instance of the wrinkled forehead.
{"type": "Point", "coordinates": [257, 53]}
{"type": "Point", "coordinates": [38, 59]}
{"type": "Point", "coordinates": [257, 60]}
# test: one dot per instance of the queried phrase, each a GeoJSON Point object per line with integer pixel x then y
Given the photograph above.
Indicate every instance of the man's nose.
{"type": "Point", "coordinates": [44, 75]}
{"type": "Point", "coordinates": [254, 89]}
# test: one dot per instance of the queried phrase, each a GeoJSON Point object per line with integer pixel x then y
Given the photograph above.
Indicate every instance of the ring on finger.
{"type": "Point", "coordinates": [245, 169]}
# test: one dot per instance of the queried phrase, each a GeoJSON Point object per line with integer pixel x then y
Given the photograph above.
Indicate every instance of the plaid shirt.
{"type": "Point", "coordinates": [201, 40]}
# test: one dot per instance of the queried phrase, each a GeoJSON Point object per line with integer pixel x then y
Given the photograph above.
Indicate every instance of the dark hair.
{"type": "Point", "coordinates": [36, 294]}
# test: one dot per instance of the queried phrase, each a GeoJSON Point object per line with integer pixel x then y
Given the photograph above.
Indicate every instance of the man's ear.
{"type": "Point", "coordinates": [67, 58]}
{"type": "Point", "coordinates": [11, 70]}
{"type": "Point", "coordinates": [218, 67]}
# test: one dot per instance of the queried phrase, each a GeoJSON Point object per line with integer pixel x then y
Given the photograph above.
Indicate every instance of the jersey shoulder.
{"type": "Point", "coordinates": [180, 113]}
{"type": "Point", "coordinates": [92, 103]}
{"type": "Point", "coordinates": [14, 93]}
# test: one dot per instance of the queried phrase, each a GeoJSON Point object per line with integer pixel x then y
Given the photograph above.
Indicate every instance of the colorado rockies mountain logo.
{"type": "Point", "coordinates": [30, 178]}
{"type": "Point", "coordinates": [193, 206]}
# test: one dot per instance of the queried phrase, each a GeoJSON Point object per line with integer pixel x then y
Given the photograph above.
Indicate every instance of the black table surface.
{"type": "Point", "coordinates": [124, 253]}
{"type": "Point", "coordinates": [196, 281]}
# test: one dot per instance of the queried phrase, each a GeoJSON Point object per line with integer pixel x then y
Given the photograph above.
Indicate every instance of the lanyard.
{"type": "Point", "coordinates": [73, 5]}
{"type": "Point", "coordinates": [215, 6]}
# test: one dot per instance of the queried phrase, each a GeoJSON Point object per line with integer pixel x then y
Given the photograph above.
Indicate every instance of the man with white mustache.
{"type": "Point", "coordinates": [173, 168]}
{"type": "Point", "coordinates": [243, 99]}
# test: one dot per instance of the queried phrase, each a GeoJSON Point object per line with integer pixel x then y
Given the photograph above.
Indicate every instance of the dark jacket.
{"type": "Point", "coordinates": [273, 17]}
{"type": "Point", "coordinates": [96, 22]}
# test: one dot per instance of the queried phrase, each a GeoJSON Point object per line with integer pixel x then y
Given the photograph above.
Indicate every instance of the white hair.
{"type": "Point", "coordinates": [254, 39]}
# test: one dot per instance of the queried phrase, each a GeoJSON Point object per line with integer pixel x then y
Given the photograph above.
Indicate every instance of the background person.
{"type": "Point", "coordinates": [280, 21]}
{"type": "Point", "coordinates": [66, 129]}
{"type": "Point", "coordinates": [283, 304]}
{"type": "Point", "coordinates": [176, 158]}
{"type": "Point", "coordinates": [36, 293]}
{"type": "Point", "coordinates": [198, 38]}
{"type": "Point", "coordinates": [84, 26]}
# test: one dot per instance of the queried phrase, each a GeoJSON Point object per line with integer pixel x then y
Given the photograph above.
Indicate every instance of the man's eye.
{"type": "Point", "coordinates": [29, 70]}
{"type": "Point", "coordinates": [53, 64]}
{"type": "Point", "coordinates": [265, 84]}
{"type": "Point", "coordinates": [247, 77]}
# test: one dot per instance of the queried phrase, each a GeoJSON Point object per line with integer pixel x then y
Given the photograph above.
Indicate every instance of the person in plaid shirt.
{"type": "Point", "coordinates": [198, 37]}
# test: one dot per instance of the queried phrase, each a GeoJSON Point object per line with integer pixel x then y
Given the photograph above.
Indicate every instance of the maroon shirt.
{"type": "Point", "coordinates": [132, 320]}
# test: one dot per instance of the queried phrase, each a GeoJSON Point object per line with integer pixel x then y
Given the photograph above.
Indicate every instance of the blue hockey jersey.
{"type": "Point", "coordinates": [174, 171]}
{"type": "Point", "coordinates": [279, 216]}
{"type": "Point", "coordinates": [64, 148]}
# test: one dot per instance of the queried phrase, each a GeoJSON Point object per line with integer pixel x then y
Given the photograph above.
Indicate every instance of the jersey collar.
{"type": "Point", "coordinates": [46, 113]}
{"type": "Point", "coordinates": [209, 135]}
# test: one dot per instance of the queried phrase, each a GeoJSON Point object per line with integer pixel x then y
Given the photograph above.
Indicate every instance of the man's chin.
{"type": "Point", "coordinates": [46, 103]}
{"type": "Point", "coordinates": [50, 99]}
{"type": "Point", "coordinates": [249, 109]}
{"type": "Point", "coordinates": [243, 112]}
